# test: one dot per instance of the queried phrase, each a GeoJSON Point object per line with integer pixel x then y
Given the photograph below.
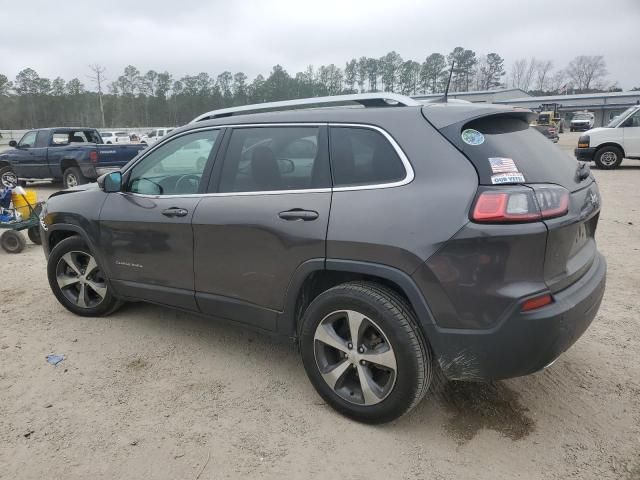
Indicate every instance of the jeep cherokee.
{"type": "Point", "coordinates": [389, 241]}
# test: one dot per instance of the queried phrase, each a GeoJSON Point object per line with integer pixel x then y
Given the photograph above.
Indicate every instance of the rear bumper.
{"type": "Point", "coordinates": [524, 342]}
{"type": "Point", "coordinates": [585, 154]}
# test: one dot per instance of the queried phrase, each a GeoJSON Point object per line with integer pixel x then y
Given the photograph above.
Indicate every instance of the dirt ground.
{"type": "Point", "coordinates": [154, 393]}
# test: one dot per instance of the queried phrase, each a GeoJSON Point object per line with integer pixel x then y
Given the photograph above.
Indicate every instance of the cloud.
{"type": "Point", "coordinates": [189, 36]}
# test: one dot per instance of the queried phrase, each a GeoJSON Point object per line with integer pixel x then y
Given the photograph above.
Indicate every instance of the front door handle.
{"type": "Point", "coordinates": [299, 214]}
{"type": "Point", "coordinates": [175, 212]}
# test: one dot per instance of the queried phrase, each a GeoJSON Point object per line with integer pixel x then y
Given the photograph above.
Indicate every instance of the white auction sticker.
{"type": "Point", "coordinates": [507, 178]}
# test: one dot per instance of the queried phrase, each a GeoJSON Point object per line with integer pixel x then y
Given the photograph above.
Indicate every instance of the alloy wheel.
{"type": "Point", "coordinates": [72, 181]}
{"type": "Point", "coordinates": [80, 279]}
{"type": "Point", "coordinates": [355, 357]}
{"type": "Point", "coordinates": [608, 158]}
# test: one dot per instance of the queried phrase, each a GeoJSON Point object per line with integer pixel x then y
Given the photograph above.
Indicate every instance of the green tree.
{"type": "Point", "coordinates": [465, 61]}
{"type": "Point", "coordinates": [432, 73]}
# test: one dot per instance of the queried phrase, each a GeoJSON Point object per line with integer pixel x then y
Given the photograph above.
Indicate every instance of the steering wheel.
{"type": "Point", "coordinates": [191, 182]}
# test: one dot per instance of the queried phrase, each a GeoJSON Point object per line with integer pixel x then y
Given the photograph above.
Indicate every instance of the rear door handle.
{"type": "Point", "coordinates": [175, 212]}
{"type": "Point", "coordinates": [298, 214]}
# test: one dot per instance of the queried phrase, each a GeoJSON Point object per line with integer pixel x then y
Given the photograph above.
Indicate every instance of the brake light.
{"type": "Point", "coordinates": [93, 156]}
{"type": "Point", "coordinates": [520, 204]}
{"type": "Point", "coordinates": [537, 302]}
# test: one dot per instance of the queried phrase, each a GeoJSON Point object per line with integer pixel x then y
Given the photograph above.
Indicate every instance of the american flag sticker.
{"type": "Point", "coordinates": [502, 165]}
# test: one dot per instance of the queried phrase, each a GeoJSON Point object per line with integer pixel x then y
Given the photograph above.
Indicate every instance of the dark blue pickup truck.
{"type": "Point", "coordinates": [74, 155]}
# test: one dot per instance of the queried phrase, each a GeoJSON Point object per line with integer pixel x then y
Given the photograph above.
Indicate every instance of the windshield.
{"type": "Point", "coordinates": [581, 116]}
{"type": "Point", "coordinates": [618, 120]}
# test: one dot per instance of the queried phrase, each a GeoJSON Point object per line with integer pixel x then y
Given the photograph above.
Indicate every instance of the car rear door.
{"type": "Point", "coordinates": [146, 229]}
{"type": "Point", "coordinates": [267, 214]}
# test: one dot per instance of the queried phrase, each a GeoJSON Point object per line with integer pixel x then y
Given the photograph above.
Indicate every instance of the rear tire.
{"type": "Point", "coordinates": [78, 282]}
{"type": "Point", "coordinates": [12, 241]}
{"type": "Point", "coordinates": [608, 158]}
{"type": "Point", "coordinates": [386, 331]}
{"type": "Point", "coordinates": [72, 177]}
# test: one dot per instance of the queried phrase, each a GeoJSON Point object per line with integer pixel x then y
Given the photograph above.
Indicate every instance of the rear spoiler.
{"type": "Point", "coordinates": [442, 115]}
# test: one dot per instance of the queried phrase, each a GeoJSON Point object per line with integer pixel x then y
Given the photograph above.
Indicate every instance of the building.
{"type": "Point", "coordinates": [481, 96]}
{"type": "Point", "coordinates": [604, 106]}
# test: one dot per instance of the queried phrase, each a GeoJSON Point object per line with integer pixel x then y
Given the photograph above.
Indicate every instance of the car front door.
{"type": "Point", "coordinates": [631, 132]}
{"type": "Point", "coordinates": [146, 229]}
{"type": "Point", "coordinates": [267, 216]}
{"type": "Point", "coordinates": [28, 157]}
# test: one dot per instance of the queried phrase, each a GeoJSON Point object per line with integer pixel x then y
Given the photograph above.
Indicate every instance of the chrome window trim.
{"type": "Point", "coordinates": [409, 172]}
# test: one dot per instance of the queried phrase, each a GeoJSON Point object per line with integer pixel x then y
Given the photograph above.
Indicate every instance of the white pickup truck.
{"type": "Point", "coordinates": [154, 135]}
{"type": "Point", "coordinates": [607, 146]}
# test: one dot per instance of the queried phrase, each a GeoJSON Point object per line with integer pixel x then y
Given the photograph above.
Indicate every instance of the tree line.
{"type": "Point", "coordinates": [136, 98]}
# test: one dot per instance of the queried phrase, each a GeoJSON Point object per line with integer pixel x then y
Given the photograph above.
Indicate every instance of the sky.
{"type": "Point", "coordinates": [61, 38]}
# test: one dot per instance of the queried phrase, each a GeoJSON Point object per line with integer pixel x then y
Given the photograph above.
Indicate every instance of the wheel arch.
{"type": "Point", "coordinates": [60, 231]}
{"type": "Point", "coordinates": [318, 275]}
{"type": "Point", "coordinates": [611, 144]}
{"type": "Point", "coordinates": [66, 163]}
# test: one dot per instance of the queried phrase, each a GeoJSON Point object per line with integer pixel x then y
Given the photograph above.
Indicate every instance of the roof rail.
{"type": "Point", "coordinates": [377, 99]}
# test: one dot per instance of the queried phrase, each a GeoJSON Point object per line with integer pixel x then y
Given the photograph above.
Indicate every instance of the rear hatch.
{"type": "Point", "coordinates": [506, 151]}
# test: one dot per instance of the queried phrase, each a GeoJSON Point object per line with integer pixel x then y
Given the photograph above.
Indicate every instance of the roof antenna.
{"type": "Point", "coordinates": [446, 90]}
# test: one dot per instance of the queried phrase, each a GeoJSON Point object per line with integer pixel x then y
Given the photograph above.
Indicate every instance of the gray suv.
{"type": "Point", "coordinates": [390, 241]}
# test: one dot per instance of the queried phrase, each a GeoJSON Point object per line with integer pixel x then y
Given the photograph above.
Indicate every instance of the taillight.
{"type": "Point", "coordinates": [537, 302]}
{"type": "Point", "coordinates": [520, 204]}
{"type": "Point", "coordinates": [93, 156]}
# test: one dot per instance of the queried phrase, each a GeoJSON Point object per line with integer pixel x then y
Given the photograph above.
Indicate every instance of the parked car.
{"type": "Point", "coordinates": [114, 137]}
{"type": "Point", "coordinates": [607, 146]}
{"type": "Point", "coordinates": [74, 155]}
{"type": "Point", "coordinates": [154, 135]}
{"type": "Point", "coordinates": [387, 242]}
{"type": "Point", "coordinates": [549, 131]}
{"type": "Point", "coordinates": [582, 121]}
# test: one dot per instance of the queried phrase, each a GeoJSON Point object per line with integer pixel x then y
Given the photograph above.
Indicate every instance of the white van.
{"type": "Point", "coordinates": [607, 146]}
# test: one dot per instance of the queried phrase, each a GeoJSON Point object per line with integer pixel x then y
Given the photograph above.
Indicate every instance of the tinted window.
{"type": "Point", "coordinates": [29, 140]}
{"type": "Point", "coordinates": [275, 158]}
{"type": "Point", "coordinates": [106, 134]}
{"type": "Point", "coordinates": [507, 139]}
{"type": "Point", "coordinates": [362, 156]}
{"type": "Point", "coordinates": [176, 167]}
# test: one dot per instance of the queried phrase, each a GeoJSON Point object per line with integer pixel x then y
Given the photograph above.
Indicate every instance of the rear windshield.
{"type": "Point", "coordinates": [506, 149]}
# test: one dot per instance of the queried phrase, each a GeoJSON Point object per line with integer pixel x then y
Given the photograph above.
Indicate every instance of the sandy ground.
{"type": "Point", "coordinates": [153, 393]}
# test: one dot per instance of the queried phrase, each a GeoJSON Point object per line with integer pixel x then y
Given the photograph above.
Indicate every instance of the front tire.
{"type": "Point", "coordinates": [608, 158]}
{"type": "Point", "coordinates": [363, 352]}
{"type": "Point", "coordinates": [77, 281]}
{"type": "Point", "coordinates": [8, 178]}
{"type": "Point", "coordinates": [72, 177]}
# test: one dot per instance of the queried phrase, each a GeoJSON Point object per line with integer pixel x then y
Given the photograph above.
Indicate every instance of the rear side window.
{"type": "Point", "coordinates": [362, 156]}
{"type": "Point", "coordinates": [275, 158]}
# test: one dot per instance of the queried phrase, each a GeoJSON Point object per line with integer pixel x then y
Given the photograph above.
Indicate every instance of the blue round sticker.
{"type": "Point", "coordinates": [472, 137]}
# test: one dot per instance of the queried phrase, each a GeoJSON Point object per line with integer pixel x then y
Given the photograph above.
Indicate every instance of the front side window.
{"type": "Point", "coordinates": [362, 156]}
{"type": "Point", "coordinates": [176, 167]}
{"type": "Point", "coordinates": [275, 158]}
{"type": "Point", "coordinates": [634, 120]}
{"type": "Point", "coordinates": [28, 140]}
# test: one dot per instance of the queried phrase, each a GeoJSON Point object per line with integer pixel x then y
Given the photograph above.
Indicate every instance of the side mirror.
{"type": "Point", "coordinates": [110, 182]}
{"type": "Point", "coordinates": [13, 143]}
{"type": "Point", "coordinates": [628, 122]}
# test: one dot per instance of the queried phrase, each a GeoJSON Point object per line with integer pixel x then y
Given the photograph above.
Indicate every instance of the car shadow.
{"type": "Point", "coordinates": [460, 409]}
